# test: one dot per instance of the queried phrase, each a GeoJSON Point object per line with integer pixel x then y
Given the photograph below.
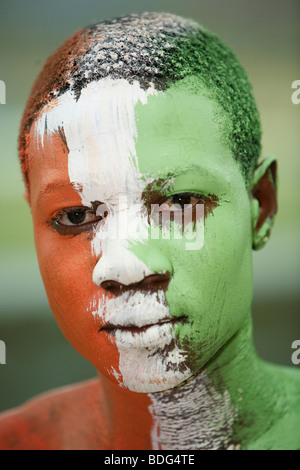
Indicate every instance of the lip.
{"type": "Point", "coordinates": [134, 329]}
{"type": "Point", "coordinates": [155, 335]}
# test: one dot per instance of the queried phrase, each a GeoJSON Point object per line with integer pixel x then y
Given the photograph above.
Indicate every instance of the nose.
{"type": "Point", "coordinates": [151, 283]}
{"type": "Point", "coordinates": [119, 269]}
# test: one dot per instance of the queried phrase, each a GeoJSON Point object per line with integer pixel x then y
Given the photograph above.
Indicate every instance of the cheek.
{"type": "Point", "coordinates": [66, 266]}
{"type": "Point", "coordinates": [213, 286]}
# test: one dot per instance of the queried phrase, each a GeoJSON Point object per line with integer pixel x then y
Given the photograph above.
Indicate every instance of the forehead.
{"type": "Point", "coordinates": [119, 134]}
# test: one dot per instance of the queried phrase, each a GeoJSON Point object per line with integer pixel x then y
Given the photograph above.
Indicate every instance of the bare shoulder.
{"type": "Point", "coordinates": [285, 432]}
{"type": "Point", "coordinates": [66, 418]}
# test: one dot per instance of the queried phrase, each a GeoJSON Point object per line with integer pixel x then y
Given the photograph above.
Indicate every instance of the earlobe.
{"type": "Point", "coordinates": [26, 196]}
{"type": "Point", "coordinates": [263, 201]}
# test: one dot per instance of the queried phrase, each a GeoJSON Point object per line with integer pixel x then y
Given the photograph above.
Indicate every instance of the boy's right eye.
{"type": "Point", "coordinates": [78, 217]}
{"type": "Point", "coordinates": [74, 220]}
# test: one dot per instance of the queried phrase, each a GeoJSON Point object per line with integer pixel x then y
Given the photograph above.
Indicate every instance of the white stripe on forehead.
{"type": "Point", "coordinates": [100, 130]}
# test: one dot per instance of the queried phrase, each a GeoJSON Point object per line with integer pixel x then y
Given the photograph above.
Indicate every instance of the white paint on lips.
{"type": "Point", "coordinates": [150, 360]}
{"type": "Point", "coordinates": [148, 337]}
{"type": "Point", "coordinates": [132, 308]}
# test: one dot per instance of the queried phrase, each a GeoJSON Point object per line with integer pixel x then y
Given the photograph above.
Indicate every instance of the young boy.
{"type": "Point", "coordinates": [133, 119]}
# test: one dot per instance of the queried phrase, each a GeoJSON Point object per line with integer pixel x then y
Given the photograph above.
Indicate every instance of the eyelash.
{"type": "Point", "coordinates": [75, 229]}
{"type": "Point", "coordinates": [157, 216]}
{"type": "Point", "coordinates": [202, 199]}
{"type": "Point", "coordinates": [72, 228]}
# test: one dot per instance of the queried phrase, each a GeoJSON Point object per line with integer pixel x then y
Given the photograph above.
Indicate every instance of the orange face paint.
{"type": "Point", "coordinates": [66, 261]}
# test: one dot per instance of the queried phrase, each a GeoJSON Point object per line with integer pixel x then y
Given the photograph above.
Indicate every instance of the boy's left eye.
{"type": "Point", "coordinates": [181, 200]}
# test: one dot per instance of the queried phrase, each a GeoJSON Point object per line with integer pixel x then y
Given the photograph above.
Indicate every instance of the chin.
{"type": "Point", "coordinates": [145, 384]}
{"type": "Point", "coordinates": [151, 370]}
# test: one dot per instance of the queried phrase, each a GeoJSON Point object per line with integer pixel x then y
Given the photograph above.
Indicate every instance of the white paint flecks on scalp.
{"type": "Point", "coordinates": [135, 46]}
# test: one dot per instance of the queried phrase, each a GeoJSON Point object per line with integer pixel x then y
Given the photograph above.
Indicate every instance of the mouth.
{"type": "Point", "coordinates": [112, 329]}
{"type": "Point", "coordinates": [152, 336]}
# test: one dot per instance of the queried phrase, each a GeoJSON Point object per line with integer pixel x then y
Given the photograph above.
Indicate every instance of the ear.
{"type": "Point", "coordinates": [263, 201]}
{"type": "Point", "coordinates": [26, 196]}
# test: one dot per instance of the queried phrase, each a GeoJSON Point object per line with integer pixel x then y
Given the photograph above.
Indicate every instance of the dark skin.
{"type": "Point", "coordinates": [265, 192]}
{"type": "Point", "coordinates": [44, 423]}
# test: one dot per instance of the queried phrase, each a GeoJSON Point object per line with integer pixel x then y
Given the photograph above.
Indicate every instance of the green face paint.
{"type": "Point", "coordinates": [182, 142]}
{"type": "Point", "coordinates": [180, 139]}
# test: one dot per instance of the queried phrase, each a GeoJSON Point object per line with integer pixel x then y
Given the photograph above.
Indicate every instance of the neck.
{"type": "Point", "coordinates": [205, 413]}
{"type": "Point", "coordinates": [194, 416]}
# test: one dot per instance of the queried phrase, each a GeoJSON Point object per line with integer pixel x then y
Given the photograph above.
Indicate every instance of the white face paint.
{"type": "Point", "coordinates": [150, 361]}
{"type": "Point", "coordinates": [101, 133]}
{"type": "Point", "coordinates": [195, 416]}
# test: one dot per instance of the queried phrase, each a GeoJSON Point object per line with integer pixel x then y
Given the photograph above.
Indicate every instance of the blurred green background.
{"type": "Point", "coordinates": [265, 36]}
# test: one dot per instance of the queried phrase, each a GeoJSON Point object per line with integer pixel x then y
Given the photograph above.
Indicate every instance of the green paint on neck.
{"type": "Point", "coordinates": [181, 143]}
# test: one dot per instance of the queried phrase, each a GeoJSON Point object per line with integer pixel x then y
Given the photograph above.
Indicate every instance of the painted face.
{"type": "Point", "coordinates": [147, 311]}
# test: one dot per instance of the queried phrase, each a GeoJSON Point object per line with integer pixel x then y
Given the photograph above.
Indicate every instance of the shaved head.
{"type": "Point", "coordinates": [155, 49]}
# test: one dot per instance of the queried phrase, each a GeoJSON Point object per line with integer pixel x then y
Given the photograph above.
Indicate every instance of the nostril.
{"type": "Point", "coordinates": [153, 283]}
{"type": "Point", "coordinates": [111, 285]}
{"type": "Point", "coordinates": [156, 280]}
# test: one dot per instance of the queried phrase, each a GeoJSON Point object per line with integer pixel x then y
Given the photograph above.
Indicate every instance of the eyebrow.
{"type": "Point", "coordinates": [59, 130]}
{"type": "Point", "coordinates": [60, 185]}
{"type": "Point", "coordinates": [166, 178]}
{"type": "Point", "coordinates": [155, 187]}
{"type": "Point", "coordinates": [62, 135]}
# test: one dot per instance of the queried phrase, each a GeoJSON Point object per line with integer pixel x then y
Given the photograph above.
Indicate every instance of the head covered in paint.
{"type": "Point", "coordinates": [149, 109]}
